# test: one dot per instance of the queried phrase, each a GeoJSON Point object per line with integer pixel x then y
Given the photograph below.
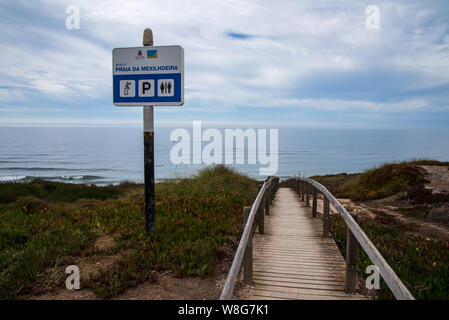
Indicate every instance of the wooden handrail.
{"type": "Point", "coordinates": [231, 279]}
{"type": "Point", "coordinates": [396, 286]}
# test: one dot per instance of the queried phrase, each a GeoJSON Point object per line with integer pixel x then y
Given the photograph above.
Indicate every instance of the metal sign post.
{"type": "Point", "coordinates": [148, 145]}
{"type": "Point", "coordinates": [148, 152]}
{"type": "Point", "coordinates": [147, 76]}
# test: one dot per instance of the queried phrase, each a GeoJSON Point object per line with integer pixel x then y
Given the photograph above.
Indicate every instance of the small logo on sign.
{"type": "Point", "coordinates": [139, 55]}
{"type": "Point", "coordinates": [151, 54]}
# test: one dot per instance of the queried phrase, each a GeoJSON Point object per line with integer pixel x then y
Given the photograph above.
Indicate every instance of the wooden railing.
{"type": "Point", "coordinates": [260, 207]}
{"type": "Point", "coordinates": [305, 187]}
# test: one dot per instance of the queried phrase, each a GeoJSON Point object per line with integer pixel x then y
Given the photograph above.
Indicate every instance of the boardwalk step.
{"type": "Point", "coordinates": [292, 260]}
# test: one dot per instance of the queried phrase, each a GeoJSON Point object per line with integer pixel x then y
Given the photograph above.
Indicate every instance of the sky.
{"type": "Point", "coordinates": [305, 64]}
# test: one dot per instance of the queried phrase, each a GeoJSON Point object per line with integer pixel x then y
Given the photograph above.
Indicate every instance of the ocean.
{"type": "Point", "coordinates": [109, 155]}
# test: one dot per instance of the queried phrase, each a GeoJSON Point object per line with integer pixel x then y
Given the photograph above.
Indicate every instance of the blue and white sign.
{"type": "Point", "coordinates": [147, 76]}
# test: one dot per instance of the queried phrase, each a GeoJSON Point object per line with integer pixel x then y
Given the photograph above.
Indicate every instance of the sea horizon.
{"type": "Point", "coordinates": [112, 154]}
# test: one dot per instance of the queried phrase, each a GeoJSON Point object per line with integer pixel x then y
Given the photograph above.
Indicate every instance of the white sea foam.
{"type": "Point", "coordinates": [12, 178]}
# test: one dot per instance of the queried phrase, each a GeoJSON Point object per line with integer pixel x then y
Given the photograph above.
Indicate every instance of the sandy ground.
{"type": "Point", "coordinates": [438, 177]}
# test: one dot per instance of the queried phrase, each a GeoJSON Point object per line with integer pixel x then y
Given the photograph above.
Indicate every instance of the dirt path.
{"type": "Point", "coordinates": [438, 177]}
{"type": "Point", "coordinates": [370, 209]}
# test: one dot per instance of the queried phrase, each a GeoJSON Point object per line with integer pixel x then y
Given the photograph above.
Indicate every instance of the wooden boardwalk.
{"type": "Point", "coordinates": [293, 260]}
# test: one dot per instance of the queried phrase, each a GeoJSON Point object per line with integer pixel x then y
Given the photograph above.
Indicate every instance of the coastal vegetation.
{"type": "Point", "coordinates": [381, 182]}
{"type": "Point", "coordinates": [47, 226]}
{"type": "Point", "coordinates": [422, 263]}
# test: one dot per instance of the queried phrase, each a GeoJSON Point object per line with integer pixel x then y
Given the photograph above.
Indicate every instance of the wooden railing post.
{"type": "Point", "coordinates": [267, 201]}
{"type": "Point", "coordinates": [260, 213]}
{"type": "Point", "coordinates": [248, 256]}
{"type": "Point", "coordinates": [351, 259]}
{"type": "Point", "coordinates": [262, 217]}
{"type": "Point", "coordinates": [307, 194]}
{"type": "Point", "coordinates": [315, 202]}
{"type": "Point", "coordinates": [237, 262]}
{"type": "Point", "coordinates": [268, 193]}
{"type": "Point", "coordinates": [326, 217]}
{"type": "Point", "coordinates": [355, 237]}
{"type": "Point", "coordinates": [303, 190]}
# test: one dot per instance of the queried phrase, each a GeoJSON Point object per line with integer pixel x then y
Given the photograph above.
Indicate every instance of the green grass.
{"type": "Point", "coordinates": [194, 219]}
{"type": "Point", "coordinates": [59, 192]}
{"type": "Point", "coordinates": [422, 196]}
{"type": "Point", "coordinates": [429, 162]}
{"type": "Point", "coordinates": [420, 212]}
{"type": "Point", "coordinates": [333, 182]}
{"type": "Point", "coordinates": [384, 181]}
{"type": "Point", "coordinates": [421, 264]}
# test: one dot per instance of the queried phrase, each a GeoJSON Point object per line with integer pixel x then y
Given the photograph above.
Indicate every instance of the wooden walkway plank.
{"type": "Point", "coordinates": [292, 260]}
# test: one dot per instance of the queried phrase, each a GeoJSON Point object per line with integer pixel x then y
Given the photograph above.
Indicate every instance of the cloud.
{"type": "Point", "coordinates": [360, 106]}
{"type": "Point", "coordinates": [294, 54]}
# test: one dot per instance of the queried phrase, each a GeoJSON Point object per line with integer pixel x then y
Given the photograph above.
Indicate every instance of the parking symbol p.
{"type": "Point", "coordinates": [146, 88]}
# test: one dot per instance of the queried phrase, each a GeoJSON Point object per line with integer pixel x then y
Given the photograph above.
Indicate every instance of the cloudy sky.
{"type": "Point", "coordinates": [247, 62]}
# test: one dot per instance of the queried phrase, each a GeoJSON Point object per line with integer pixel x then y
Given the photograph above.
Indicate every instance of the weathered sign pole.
{"type": "Point", "coordinates": [148, 76]}
{"type": "Point", "coordinates": [148, 144]}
